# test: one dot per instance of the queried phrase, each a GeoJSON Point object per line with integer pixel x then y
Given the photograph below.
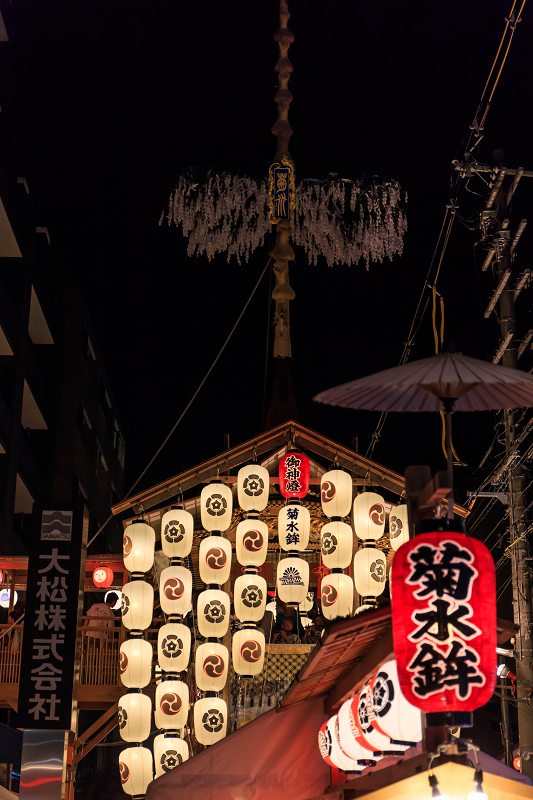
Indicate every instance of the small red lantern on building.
{"type": "Point", "coordinates": [294, 472]}
{"type": "Point", "coordinates": [444, 623]}
{"type": "Point", "coordinates": [103, 577]}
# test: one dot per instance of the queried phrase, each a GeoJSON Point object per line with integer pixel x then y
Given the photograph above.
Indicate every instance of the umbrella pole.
{"type": "Point", "coordinates": [448, 409]}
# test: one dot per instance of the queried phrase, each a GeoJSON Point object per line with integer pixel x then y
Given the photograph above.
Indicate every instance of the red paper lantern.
{"type": "Point", "coordinates": [294, 472]}
{"type": "Point", "coordinates": [103, 577]}
{"type": "Point", "coordinates": [444, 621]}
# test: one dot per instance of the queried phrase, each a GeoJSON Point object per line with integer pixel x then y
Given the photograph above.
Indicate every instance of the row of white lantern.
{"type": "Point", "coordinates": [377, 722]}
{"type": "Point", "coordinates": [173, 641]}
{"type": "Point", "coordinates": [135, 708]}
{"type": "Point", "coordinates": [213, 614]}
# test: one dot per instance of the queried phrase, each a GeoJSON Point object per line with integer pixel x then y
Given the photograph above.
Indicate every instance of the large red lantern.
{"type": "Point", "coordinates": [294, 472]}
{"type": "Point", "coordinates": [444, 622]}
{"type": "Point", "coordinates": [103, 577]}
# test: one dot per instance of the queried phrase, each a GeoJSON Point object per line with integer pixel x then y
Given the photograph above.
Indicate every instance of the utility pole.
{"type": "Point", "coordinates": [495, 229]}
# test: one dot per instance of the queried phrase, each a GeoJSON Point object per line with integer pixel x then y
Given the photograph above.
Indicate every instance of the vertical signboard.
{"type": "Point", "coordinates": [50, 658]}
{"type": "Point", "coordinates": [281, 190]}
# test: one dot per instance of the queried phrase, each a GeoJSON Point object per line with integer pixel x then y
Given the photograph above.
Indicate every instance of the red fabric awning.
{"type": "Point", "coordinates": [274, 756]}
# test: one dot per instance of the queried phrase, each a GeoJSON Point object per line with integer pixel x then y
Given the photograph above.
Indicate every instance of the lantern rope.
{"type": "Point", "coordinates": [191, 401]}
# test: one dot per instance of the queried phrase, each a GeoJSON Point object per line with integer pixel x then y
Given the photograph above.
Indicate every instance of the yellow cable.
{"type": "Point", "coordinates": [441, 320]}
{"type": "Point", "coordinates": [433, 318]}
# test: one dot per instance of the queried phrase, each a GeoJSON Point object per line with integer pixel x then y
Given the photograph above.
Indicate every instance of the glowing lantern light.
{"type": "Point", "coordinates": [294, 523]}
{"type": "Point", "coordinates": [136, 770]}
{"type": "Point", "coordinates": [336, 493]}
{"type": "Point", "coordinates": [210, 720]}
{"type": "Point", "coordinates": [137, 605]}
{"type": "Point", "coordinates": [307, 603]}
{"type": "Point", "coordinates": [398, 526]}
{"type": "Point", "coordinates": [138, 547]}
{"type": "Point", "coordinates": [250, 595]}
{"type": "Point", "coordinates": [517, 764]}
{"type": "Point", "coordinates": [213, 613]}
{"type": "Point", "coordinates": [251, 542]}
{"type": "Point", "coordinates": [103, 577]}
{"type": "Point", "coordinates": [248, 650]}
{"type": "Point", "coordinates": [177, 528]}
{"type": "Point", "coordinates": [350, 740]}
{"type": "Point", "coordinates": [174, 647]}
{"type": "Point", "coordinates": [216, 506]}
{"type": "Point", "coordinates": [394, 716]}
{"type": "Point", "coordinates": [292, 580]}
{"type": "Point", "coordinates": [444, 622]}
{"type": "Point", "coordinates": [369, 516]}
{"type": "Point", "coordinates": [253, 484]}
{"type": "Point", "coordinates": [364, 717]}
{"type": "Point", "coordinates": [336, 542]}
{"type": "Point", "coordinates": [175, 590]}
{"type": "Point", "coordinates": [336, 595]}
{"type": "Point", "coordinates": [294, 470]}
{"type": "Point", "coordinates": [212, 660]}
{"type": "Point", "coordinates": [169, 752]}
{"type": "Point", "coordinates": [134, 717]}
{"type": "Point", "coordinates": [1, 576]}
{"type": "Point", "coordinates": [5, 597]}
{"type": "Point", "coordinates": [214, 559]}
{"type": "Point", "coordinates": [369, 572]}
{"type": "Point", "coordinates": [135, 664]}
{"type": "Point", "coordinates": [171, 705]}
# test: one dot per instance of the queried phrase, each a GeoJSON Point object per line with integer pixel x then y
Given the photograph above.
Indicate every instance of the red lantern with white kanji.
{"type": "Point", "coordinates": [294, 472]}
{"type": "Point", "coordinates": [444, 621]}
{"type": "Point", "coordinates": [103, 577]}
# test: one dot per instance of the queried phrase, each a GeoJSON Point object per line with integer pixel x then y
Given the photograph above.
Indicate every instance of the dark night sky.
{"type": "Point", "coordinates": [113, 99]}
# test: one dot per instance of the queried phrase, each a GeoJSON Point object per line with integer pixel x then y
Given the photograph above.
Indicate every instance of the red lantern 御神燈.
{"type": "Point", "coordinates": [444, 621]}
{"type": "Point", "coordinates": [294, 472]}
{"type": "Point", "coordinates": [103, 577]}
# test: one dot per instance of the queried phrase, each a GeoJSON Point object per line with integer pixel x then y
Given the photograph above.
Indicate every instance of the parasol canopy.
{"type": "Point", "coordinates": [472, 384]}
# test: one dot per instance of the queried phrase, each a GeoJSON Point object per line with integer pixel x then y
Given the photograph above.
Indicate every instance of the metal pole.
{"type": "Point", "coordinates": [505, 725]}
{"type": "Point", "coordinates": [519, 549]}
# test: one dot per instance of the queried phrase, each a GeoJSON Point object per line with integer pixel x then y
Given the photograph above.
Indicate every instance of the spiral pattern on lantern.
{"type": "Point", "coordinates": [127, 545]}
{"type": "Point", "coordinates": [170, 703]}
{"type": "Point", "coordinates": [328, 491]}
{"type": "Point", "coordinates": [253, 541]}
{"type": "Point", "coordinates": [377, 514]}
{"type": "Point", "coordinates": [251, 651]}
{"type": "Point", "coordinates": [214, 666]}
{"type": "Point", "coordinates": [124, 772]}
{"type": "Point", "coordinates": [123, 662]}
{"type": "Point", "coordinates": [216, 558]}
{"type": "Point", "coordinates": [329, 595]}
{"type": "Point", "coordinates": [173, 588]}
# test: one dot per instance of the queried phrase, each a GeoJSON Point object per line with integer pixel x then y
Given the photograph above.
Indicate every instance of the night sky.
{"type": "Point", "coordinates": [111, 100]}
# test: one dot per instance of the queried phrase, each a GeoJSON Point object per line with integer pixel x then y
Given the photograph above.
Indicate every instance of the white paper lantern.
{"type": "Point", "coordinates": [251, 542]}
{"type": "Point", "coordinates": [369, 572]}
{"type": "Point", "coordinates": [138, 547]}
{"type": "Point", "coordinates": [216, 507]}
{"type": "Point", "coordinates": [292, 580]}
{"type": "Point", "coordinates": [249, 597]}
{"type": "Point", "coordinates": [214, 559]}
{"type": "Point", "coordinates": [177, 528]}
{"type": "Point", "coordinates": [248, 651]}
{"type": "Point", "coordinates": [253, 484]}
{"type": "Point", "coordinates": [336, 493]}
{"type": "Point", "coordinates": [336, 542]}
{"type": "Point", "coordinates": [134, 717]}
{"type": "Point", "coordinates": [325, 743]}
{"type": "Point", "coordinates": [357, 731]}
{"type": "Point", "coordinates": [336, 595]}
{"type": "Point", "coordinates": [136, 770]}
{"type": "Point", "coordinates": [175, 590]}
{"type": "Point", "coordinates": [174, 647]}
{"type": "Point", "coordinates": [395, 717]}
{"type": "Point", "coordinates": [369, 516]}
{"type": "Point", "coordinates": [171, 705]}
{"type": "Point", "coordinates": [350, 739]}
{"type": "Point", "coordinates": [213, 613]}
{"type": "Point", "coordinates": [398, 526]}
{"type": "Point", "coordinates": [137, 605]}
{"type": "Point", "coordinates": [212, 660]}
{"type": "Point", "coordinates": [294, 523]}
{"type": "Point", "coordinates": [169, 752]}
{"type": "Point", "coordinates": [210, 720]}
{"type": "Point", "coordinates": [135, 663]}
{"type": "Point", "coordinates": [364, 717]}
{"type": "Point", "coordinates": [307, 603]}
{"type": "Point", "coordinates": [337, 756]}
